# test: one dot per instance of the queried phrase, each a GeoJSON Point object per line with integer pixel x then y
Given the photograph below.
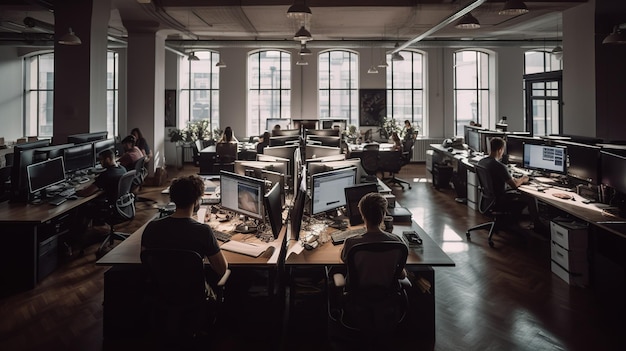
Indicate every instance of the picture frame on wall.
{"type": "Point", "coordinates": [372, 106]}
{"type": "Point", "coordinates": [170, 108]}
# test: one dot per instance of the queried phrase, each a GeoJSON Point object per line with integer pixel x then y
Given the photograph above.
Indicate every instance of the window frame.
{"type": "Point", "coordinates": [485, 121]}
{"type": "Point", "coordinates": [352, 91]}
{"type": "Point", "coordinates": [113, 119]}
{"type": "Point", "coordinates": [421, 125]}
{"type": "Point", "coordinates": [33, 123]}
{"type": "Point", "coordinates": [188, 91]}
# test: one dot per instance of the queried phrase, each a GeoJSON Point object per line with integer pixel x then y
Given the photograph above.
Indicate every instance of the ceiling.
{"type": "Point", "coordinates": [195, 21]}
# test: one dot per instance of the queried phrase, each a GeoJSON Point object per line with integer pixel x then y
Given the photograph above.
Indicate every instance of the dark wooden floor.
{"type": "Point", "coordinates": [504, 298]}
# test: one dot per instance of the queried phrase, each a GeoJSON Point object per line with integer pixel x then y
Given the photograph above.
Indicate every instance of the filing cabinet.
{"type": "Point", "coordinates": [569, 242]}
{"type": "Point", "coordinates": [473, 194]}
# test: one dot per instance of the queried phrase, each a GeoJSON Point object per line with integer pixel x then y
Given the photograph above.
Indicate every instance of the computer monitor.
{"type": "Point", "coordinates": [351, 162]}
{"type": "Point", "coordinates": [242, 194]}
{"type": "Point", "coordinates": [332, 141]}
{"type": "Point", "coordinates": [485, 139]}
{"type": "Point", "coordinates": [297, 212]}
{"type": "Point", "coordinates": [315, 151]}
{"type": "Point", "coordinates": [515, 147]}
{"type": "Point", "coordinates": [243, 167]}
{"type": "Point", "coordinates": [275, 178]}
{"type": "Point", "coordinates": [545, 158]}
{"type": "Point", "coordinates": [325, 194]}
{"type": "Point", "coordinates": [287, 151]}
{"type": "Point", "coordinates": [467, 128]}
{"type": "Point", "coordinates": [87, 137]}
{"type": "Point", "coordinates": [273, 205]}
{"type": "Point", "coordinates": [342, 124]}
{"type": "Point", "coordinates": [22, 157]}
{"type": "Point", "coordinates": [305, 123]}
{"type": "Point", "coordinates": [613, 169]}
{"type": "Point", "coordinates": [45, 174]}
{"type": "Point", "coordinates": [583, 161]}
{"type": "Point", "coordinates": [322, 132]}
{"type": "Point", "coordinates": [78, 157]}
{"type": "Point", "coordinates": [353, 195]}
{"type": "Point", "coordinates": [270, 123]}
{"type": "Point", "coordinates": [273, 159]}
{"type": "Point", "coordinates": [284, 140]}
{"type": "Point", "coordinates": [615, 149]}
{"type": "Point", "coordinates": [473, 140]}
{"type": "Point", "coordinates": [52, 151]}
{"type": "Point", "coordinates": [101, 145]}
{"type": "Point", "coordinates": [285, 132]}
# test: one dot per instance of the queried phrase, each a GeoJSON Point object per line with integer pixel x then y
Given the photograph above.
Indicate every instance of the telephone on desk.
{"type": "Point", "coordinates": [456, 143]}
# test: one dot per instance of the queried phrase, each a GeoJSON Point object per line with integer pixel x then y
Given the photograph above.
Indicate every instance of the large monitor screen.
{"type": "Point", "coordinates": [340, 124]}
{"type": "Point", "coordinates": [333, 141]}
{"type": "Point", "coordinates": [22, 157]}
{"type": "Point", "coordinates": [473, 140]}
{"type": "Point", "coordinates": [353, 196]}
{"type": "Point", "coordinates": [583, 161]}
{"type": "Point", "coordinates": [315, 151]}
{"type": "Point", "coordinates": [78, 157]}
{"type": "Point", "coordinates": [284, 140]}
{"type": "Point", "coordinates": [515, 147]}
{"type": "Point", "coordinates": [274, 209]}
{"type": "Point", "coordinates": [287, 152]}
{"type": "Point", "coordinates": [242, 194]}
{"type": "Point", "coordinates": [86, 137]}
{"type": "Point", "coordinates": [325, 195]}
{"type": "Point", "coordinates": [545, 158]}
{"type": "Point", "coordinates": [53, 151]}
{"type": "Point", "coordinates": [322, 132]}
{"type": "Point", "coordinates": [45, 174]}
{"type": "Point", "coordinates": [613, 170]}
{"type": "Point", "coordinates": [101, 145]}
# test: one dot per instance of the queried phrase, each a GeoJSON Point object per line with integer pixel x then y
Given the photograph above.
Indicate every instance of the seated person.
{"type": "Point", "coordinates": [141, 143]}
{"type": "Point", "coordinates": [264, 141]}
{"type": "Point", "coordinates": [409, 132]}
{"type": "Point", "coordinates": [372, 207]}
{"type": "Point", "coordinates": [107, 180]}
{"type": "Point", "coordinates": [131, 153]}
{"type": "Point", "coordinates": [397, 144]}
{"type": "Point", "coordinates": [180, 231]}
{"type": "Point", "coordinates": [507, 199]}
{"type": "Point", "coordinates": [227, 136]}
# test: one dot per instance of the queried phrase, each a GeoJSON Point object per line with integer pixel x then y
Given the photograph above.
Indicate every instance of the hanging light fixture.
{"type": "Point", "coordinates": [558, 50]}
{"type": "Point", "coordinates": [299, 11]}
{"type": "Point", "coordinates": [396, 55]}
{"type": "Point", "coordinates": [304, 51]}
{"type": "Point", "coordinates": [220, 64]}
{"type": "Point", "coordinates": [468, 22]}
{"type": "Point", "coordinates": [618, 36]}
{"type": "Point", "coordinates": [302, 35]}
{"type": "Point", "coordinates": [70, 38]}
{"type": "Point", "coordinates": [514, 7]}
{"type": "Point", "coordinates": [193, 57]}
{"type": "Point", "coordinates": [372, 69]}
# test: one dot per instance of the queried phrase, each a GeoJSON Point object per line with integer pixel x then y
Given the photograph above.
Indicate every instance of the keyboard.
{"type": "Point", "coordinates": [341, 236]}
{"type": "Point", "coordinates": [221, 236]}
{"type": "Point", "coordinates": [67, 192]}
{"type": "Point", "coordinates": [254, 250]}
{"type": "Point", "coordinates": [57, 200]}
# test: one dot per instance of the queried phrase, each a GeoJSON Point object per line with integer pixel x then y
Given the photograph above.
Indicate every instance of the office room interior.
{"type": "Point", "coordinates": [152, 42]}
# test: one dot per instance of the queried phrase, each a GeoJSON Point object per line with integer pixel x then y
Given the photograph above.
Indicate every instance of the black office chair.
{"type": "Point", "coordinates": [369, 161]}
{"type": "Point", "coordinates": [140, 173]}
{"type": "Point", "coordinates": [366, 308]}
{"type": "Point", "coordinates": [392, 162]}
{"type": "Point", "coordinates": [226, 154]}
{"type": "Point", "coordinates": [182, 303]}
{"type": "Point", "coordinates": [487, 205]}
{"type": "Point", "coordinates": [121, 211]}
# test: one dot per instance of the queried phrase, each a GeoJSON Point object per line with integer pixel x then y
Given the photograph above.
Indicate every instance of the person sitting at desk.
{"type": "Point", "coordinates": [264, 141]}
{"type": "Point", "coordinates": [372, 207]}
{"type": "Point", "coordinates": [180, 231]}
{"type": "Point", "coordinates": [107, 180]}
{"type": "Point", "coordinates": [513, 200]}
{"type": "Point", "coordinates": [227, 136]}
{"type": "Point", "coordinates": [131, 153]}
{"type": "Point", "coordinates": [397, 144]}
{"type": "Point", "coordinates": [408, 131]}
{"type": "Point", "coordinates": [141, 143]}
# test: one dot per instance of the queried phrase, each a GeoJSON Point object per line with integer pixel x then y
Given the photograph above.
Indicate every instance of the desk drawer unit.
{"type": "Point", "coordinates": [569, 252]}
{"type": "Point", "coordinates": [473, 194]}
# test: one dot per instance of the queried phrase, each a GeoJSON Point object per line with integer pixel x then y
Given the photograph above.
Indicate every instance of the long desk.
{"type": "Point", "coordinates": [419, 262]}
{"type": "Point", "coordinates": [29, 239]}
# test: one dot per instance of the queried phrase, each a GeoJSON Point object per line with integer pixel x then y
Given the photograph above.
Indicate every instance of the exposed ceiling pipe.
{"type": "Point", "coordinates": [175, 51]}
{"type": "Point", "coordinates": [37, 24]}
{"type": "Point", "coordinates": [453, 17]}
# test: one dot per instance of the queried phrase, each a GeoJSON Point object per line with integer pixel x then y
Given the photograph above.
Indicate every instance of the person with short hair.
{"type": "Point", "coordinates": [409, 132]}
{"type": "Point", "coordinates": [107, 180]}
{"type": "Point", "coordinates": [181, 231]}
{"type": "Point", "coordinates": [264, 141]}
{"type": "Point", "coordinates": [373, 207]}
{"type": "Point", "coordinates": [131, 153]}
{"type": "Point", "coordinates": [228, 136]}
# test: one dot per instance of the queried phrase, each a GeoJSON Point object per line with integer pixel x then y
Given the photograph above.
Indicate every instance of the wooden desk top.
{"type": "Point", "coordinates": [29, 213]}
{"type": "Point", "coordinates": [429, 254]}
{"type": "Point", "coordinates": [128, 251]}
{"type": "Point", "coordinates": [591, 213]}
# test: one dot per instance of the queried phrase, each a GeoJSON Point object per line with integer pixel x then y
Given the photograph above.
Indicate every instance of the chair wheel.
{"type": "Point", "coordinates": [491, 244]}
{"type": "Point", "coordinates": [468, 235]}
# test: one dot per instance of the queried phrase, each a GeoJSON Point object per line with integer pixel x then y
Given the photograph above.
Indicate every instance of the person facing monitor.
{"type": "Point", "coordinates": [131, 153]}
{"type": "Point", "coordinates": [107, 180]}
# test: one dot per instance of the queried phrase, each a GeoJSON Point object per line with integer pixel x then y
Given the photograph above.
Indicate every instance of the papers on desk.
{"type": "Point", "coordinates": [249, 249]}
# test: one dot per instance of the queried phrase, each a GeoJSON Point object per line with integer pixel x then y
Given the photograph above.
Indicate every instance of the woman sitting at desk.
{"type": "Point", "coordinates": [228, 137]}
{"type": "Point", "coordinates": [395, 140]}
{"type": "Point", "coordinates": [264, 141]}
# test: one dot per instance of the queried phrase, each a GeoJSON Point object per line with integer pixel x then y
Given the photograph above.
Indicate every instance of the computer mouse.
{"type": "Point", "coordinates": [450, 149]}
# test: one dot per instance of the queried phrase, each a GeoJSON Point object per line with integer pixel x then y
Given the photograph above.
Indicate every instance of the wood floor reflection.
{"type": "Point", "coordinates": [502, 298]}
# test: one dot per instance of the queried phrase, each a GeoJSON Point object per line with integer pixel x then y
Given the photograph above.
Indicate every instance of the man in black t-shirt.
{"type": "Point", "coordinates": [180, 231]}
{"type": "Point", "coordinates": [107, 180]}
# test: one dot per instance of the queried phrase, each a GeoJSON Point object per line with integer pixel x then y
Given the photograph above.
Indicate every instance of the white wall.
{"type": "Point", "coordinates": [11, 118]}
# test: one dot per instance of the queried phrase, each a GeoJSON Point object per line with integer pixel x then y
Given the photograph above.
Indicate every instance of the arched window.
{"type": "Point", "coordinates": [338, 77]}
{"type": "Point", "coordinates": [112, 93]}
{"type": "Point", "coordinates": [199, 89]}
{"type": "Point", "coordinates": [471, 89]}
{"type": "Point", "coordinates": [38, 95]}
{"type": "Point", "coordinates": [269, 88]}
{"type": "Point", "coordinates": [405, 89]}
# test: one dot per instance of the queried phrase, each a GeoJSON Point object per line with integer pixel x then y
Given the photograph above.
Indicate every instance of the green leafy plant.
{"type": "Point", "coordinates": [388, 125]}
{"type": "Point", "coordinates": [198, 130]}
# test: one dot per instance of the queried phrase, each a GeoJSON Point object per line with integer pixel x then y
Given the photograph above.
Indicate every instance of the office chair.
{"type": "Point", "coordinates": [226, 154]}
{"type": "Point", "coordinates": [487, 204]}
{"type": "Point", "coordinates": [140, 173]}
{"type": "Point", "coordinates": [369, 161]}
{"type": "Point", "coordinates": [366, 306]}
{"type": "Point", "coordinates": [121, 211]}
{"type": "Point", "coordinates": [182, 302]}
{"type": "Point", "coordinates": [392, 162]}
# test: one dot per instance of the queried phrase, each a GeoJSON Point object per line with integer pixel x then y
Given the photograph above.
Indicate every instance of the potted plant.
{"type": "Point", "coordinates": [388, 125]}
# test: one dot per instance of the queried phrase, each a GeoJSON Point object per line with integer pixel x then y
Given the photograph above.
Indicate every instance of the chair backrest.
{"type": "Point", "coordinates": [125, 203]}
{"type": "Point", "coordinates": [375, 265]}
{"type": "Point", "coordinates": [178, 275]}
{"type": "Point", "coordinates": [407, 150]}
{"type": "Point", "coordinates": [140, 171]}
{"type": "Point", "coordinates": [391, 161]}
{"type": "Point", "coordinates": [369, 161]}
{"type": "Point", "coordinates": [226, 152]}
{"type": "Point", "coordinates": [487, 190]}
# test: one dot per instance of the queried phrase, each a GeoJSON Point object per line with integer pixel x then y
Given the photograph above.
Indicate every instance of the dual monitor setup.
{"type": "Point", "coordinates": [38, 165]}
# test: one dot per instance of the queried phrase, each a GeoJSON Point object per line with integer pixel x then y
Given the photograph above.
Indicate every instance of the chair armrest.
{"type": "Point", "coordinates": [224, 278]}
{"type": "Point", "coordinates": [405, 283]}
{"type": "Point", "coordinates": [339, 280]}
